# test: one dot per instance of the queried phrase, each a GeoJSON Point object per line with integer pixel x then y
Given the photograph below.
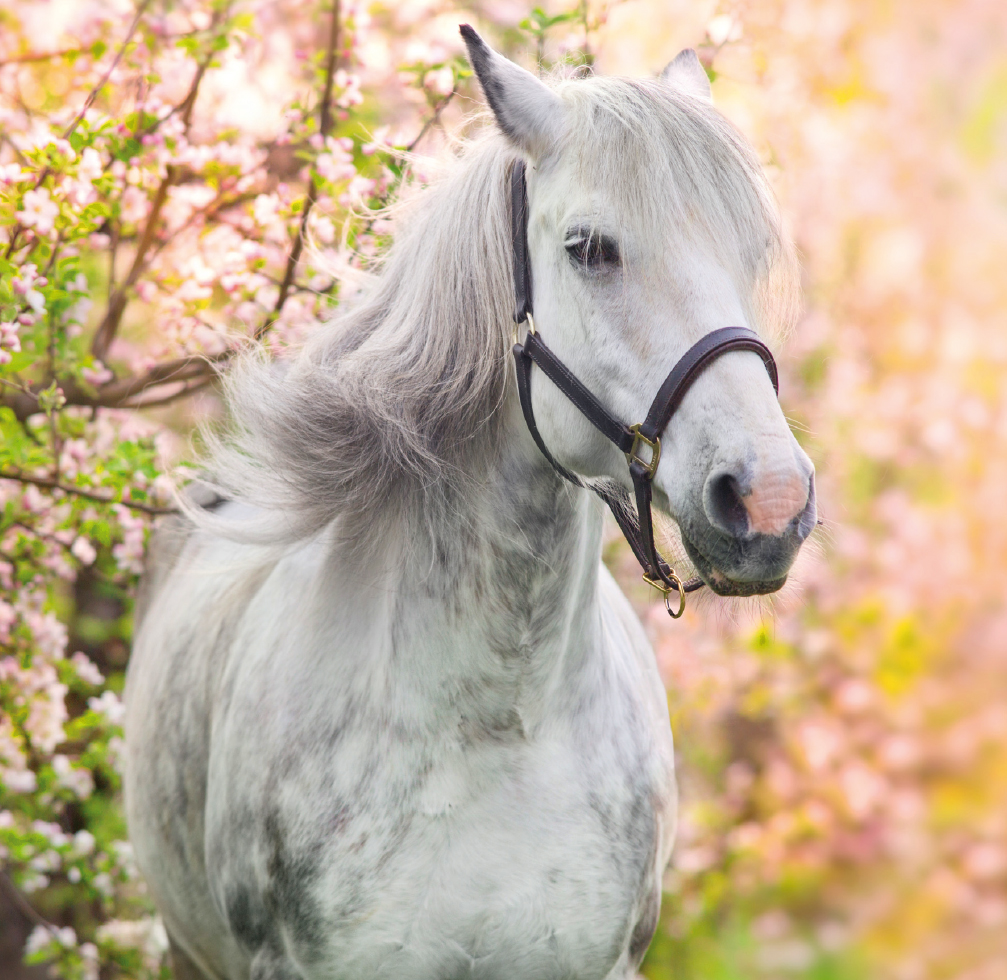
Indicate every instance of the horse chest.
{"type": "Point", "coordinates": [380, 855]}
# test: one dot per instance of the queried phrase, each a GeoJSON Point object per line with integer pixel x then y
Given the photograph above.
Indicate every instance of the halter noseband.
{"type": "Point", "coordinates": [638, 528]}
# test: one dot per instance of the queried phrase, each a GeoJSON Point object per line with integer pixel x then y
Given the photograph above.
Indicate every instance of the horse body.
{"type": "Point", "coordinates": [387, 713]}
{"type": "Point", "coordinates": [447, 767]}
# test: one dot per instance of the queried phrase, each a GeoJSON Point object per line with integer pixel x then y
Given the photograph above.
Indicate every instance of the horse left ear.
{"type": "Point", "coordinates": [687, 75]}
{"type": "Point", "coordinates": [529, 113]}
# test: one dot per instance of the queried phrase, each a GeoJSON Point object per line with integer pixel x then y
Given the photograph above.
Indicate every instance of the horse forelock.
{"type": "Point", "coordinates": [395, 401]}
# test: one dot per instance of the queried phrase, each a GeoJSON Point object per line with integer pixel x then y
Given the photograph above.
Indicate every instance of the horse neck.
{"type": "Point", "coordinates": [489, 601]}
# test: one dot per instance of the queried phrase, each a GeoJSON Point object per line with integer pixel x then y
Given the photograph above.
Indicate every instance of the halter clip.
{"type": "Point", "coordinates": [666, 590]}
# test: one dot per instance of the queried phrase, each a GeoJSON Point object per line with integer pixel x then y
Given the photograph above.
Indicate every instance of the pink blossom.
{"type": "Point", "coordinates": [86, 670]}
{"type": "Point", "coordinates": [134, 205]}
{"type": "Point", "coordinates": [83, 550]}
{"type": "Point", "coordinates": [11, 173]}
{"type": "Point", "coordinates": [108, 705]}
{"type": "Point", "coordinates": [40, 211]}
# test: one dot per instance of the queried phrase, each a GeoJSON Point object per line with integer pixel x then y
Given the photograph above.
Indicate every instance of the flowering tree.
{"type": "Point", "coordinates": [179, 180]}
{"type": "Point", "coordinates": [149, 229]}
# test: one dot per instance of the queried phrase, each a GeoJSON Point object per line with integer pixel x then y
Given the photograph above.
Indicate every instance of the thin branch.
{"type": "Point", "coordinates": [22, 905]}
{"type": "Point", "coordinates": [24, 59]}
{"type": "Point", "coordinates": [117, 303]}
{"type": "Point", "coordinates": [48, 484]}
{"type": "Point", "coordinates": [324, 126]}
{"type": "Point", "coordinates": [433, 120]}
{"type": "Point", "coordinates": [89, 101]}
{"type": "Point", "coordinates": [109, 326]}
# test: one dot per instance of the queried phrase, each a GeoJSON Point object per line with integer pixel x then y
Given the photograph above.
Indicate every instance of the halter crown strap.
{"type": "Point", "coordinates": [637, 528]}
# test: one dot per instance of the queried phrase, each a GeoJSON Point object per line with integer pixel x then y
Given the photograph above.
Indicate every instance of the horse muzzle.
{"type": "Point", "coordinates": [744, 539]}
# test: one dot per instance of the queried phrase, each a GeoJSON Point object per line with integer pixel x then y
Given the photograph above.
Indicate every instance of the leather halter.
{"type": "Point", "coordinates": [638, 528]}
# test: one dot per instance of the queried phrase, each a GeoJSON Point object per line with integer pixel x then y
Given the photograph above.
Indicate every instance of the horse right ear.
{"type": "Point", "coordinates": [529, 113]}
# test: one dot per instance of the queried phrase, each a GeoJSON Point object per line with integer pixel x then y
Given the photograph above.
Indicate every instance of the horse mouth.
{"type": "Point", "coordinates": [723, 584]}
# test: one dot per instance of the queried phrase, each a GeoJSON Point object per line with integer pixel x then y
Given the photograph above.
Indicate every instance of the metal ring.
{"type": "Point", "coordinates": [681, 600]}
{"type": "Point", "coordinates": [676, 586]}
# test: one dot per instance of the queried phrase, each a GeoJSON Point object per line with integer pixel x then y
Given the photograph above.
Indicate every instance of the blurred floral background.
{"type": "Point", "coordinates": [179, 177]}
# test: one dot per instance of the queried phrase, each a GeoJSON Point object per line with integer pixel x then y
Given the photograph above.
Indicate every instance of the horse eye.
{"type": "Point", "coordinates": [593, 251]}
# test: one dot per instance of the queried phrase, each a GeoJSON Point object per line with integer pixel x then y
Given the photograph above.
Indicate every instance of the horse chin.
{"type": "Point", "coordinates": [724, 585]}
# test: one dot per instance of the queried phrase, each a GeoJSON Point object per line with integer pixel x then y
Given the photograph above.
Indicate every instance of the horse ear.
{"type": "Point", "coordinates": [529, 113]}
{"type": "Point", "coordinates": [687, 75]}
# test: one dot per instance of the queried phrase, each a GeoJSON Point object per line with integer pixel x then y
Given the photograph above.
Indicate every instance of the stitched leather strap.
{"type": "Point", "coordinates": [692, 364]}
{"type": "Point", "coordinates": [519, 236]}
{"type": "Point", "coordinates": [574, 389]}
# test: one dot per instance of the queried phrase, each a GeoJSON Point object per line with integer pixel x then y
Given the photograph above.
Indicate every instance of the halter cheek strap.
{"type": "Point", "coordinates": [638, 527]}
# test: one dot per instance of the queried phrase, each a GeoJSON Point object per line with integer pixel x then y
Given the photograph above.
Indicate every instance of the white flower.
{"type": "Point", "coordinates": [110, 706]}
{"type": "Point", "coordinates": [83, 551]}
{"type": "Point", "coordinates": [39, 211]}
{"type": "Point", "coordinates": [38, 940]}
{"type": "Point", "coordinates": [83, 842]}
{"type": "Point", "coordinates": [79, 781]}
{"type": "Point", "coordinates": [103, 883]}
{"type": "Point", "coordinates": [134, 205]}
{"type": "Point", "coordinates": [147, 935]}
{"type": "Point", "coordinates": [36, 301]}
{"type": "Point", "coordinates": [11, 173]}
{"type": "Point", "coordinates": [86, 669]}
{"type": "Point", "coordinates": [90, 164]}
{"type": "Point", "coordinates": [33, 883]}
{"type": "Point", "coordinates": [98, 374]}
{"type": "Point", "coordinates": [19, 781]}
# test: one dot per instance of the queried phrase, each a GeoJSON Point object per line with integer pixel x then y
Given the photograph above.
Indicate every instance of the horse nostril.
{"type": "Point", "coordinates": [724, 506]}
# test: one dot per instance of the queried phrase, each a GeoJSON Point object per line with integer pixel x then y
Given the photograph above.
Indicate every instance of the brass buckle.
{"type": "Point", "coordinates": [666, 590]}
{"type": "Point", "coordinates": [655, 451]}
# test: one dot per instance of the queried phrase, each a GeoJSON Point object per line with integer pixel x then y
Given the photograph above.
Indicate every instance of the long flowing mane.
{"type": "Point", "coordinates": [382, 406]}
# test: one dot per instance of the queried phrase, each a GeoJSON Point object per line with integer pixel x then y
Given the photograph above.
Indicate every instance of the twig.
{"type": "Point", "coordinates": [22, 904]}
{"type": "Point", "coordinates": [188, 388]}
{"type": "Point", "coordinates": [57, 444]}
{"type": "Point", "coordinates": [433, 120]}
{"type": "Point", "coordinates": [109, 326]}
{"type": "Point", "coordinates": [89, 101]}
{"type": "Point", "coordinates": [324, 127]}
{"type": "Point", "coordinates": [48, 484]}
{"type": "Point", "coordinates": [118, 301]}
{"type": "Point", "coordinates": [24, 59]}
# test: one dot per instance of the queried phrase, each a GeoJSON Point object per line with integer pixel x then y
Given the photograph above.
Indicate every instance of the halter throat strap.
{"type": "Point", "coordinates": [638, 527]}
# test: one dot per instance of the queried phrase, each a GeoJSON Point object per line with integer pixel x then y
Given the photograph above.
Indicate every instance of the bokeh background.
{"type": "Point", "coordinates": [843, 748]}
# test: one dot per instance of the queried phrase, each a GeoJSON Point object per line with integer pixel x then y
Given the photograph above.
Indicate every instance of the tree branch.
{"type": "Point", "coordinates": [18, 900]}
{"type": "Point", "coordinates": [25, 59]}
{"type": "Point", "coordinates": [433, 120]}
{"type": "Point", "coordinates": [92, 95]}
{"type": "Point", "coordinates": [49, 484]}
{"type": "Point", "coordinates": [118, 301]}
{"type": "Point", "coordinates": [324, 127]}
{"type": "Point", "coordinates": [88, 102]}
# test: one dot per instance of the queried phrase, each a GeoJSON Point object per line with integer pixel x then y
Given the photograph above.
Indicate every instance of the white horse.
{"type": "Point", "coordinates": [388, 714]}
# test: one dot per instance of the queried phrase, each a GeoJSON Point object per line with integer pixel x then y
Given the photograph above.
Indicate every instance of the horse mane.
{"type": "Point", "coordinates": [397, 398]}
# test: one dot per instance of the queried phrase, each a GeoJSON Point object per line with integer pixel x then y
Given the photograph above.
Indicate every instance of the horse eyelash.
{"type": "Point", "coordinates": [593, 250]}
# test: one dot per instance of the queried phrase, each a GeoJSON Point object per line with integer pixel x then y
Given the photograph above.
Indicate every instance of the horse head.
{"type": "Point", "coordinates": [650, 225]}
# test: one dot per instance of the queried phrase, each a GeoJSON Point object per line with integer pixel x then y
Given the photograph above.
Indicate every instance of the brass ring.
{"type": "Point", "coordinates": [681, 599]}
{"type": "Point", "coordinates": [676, 586]}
